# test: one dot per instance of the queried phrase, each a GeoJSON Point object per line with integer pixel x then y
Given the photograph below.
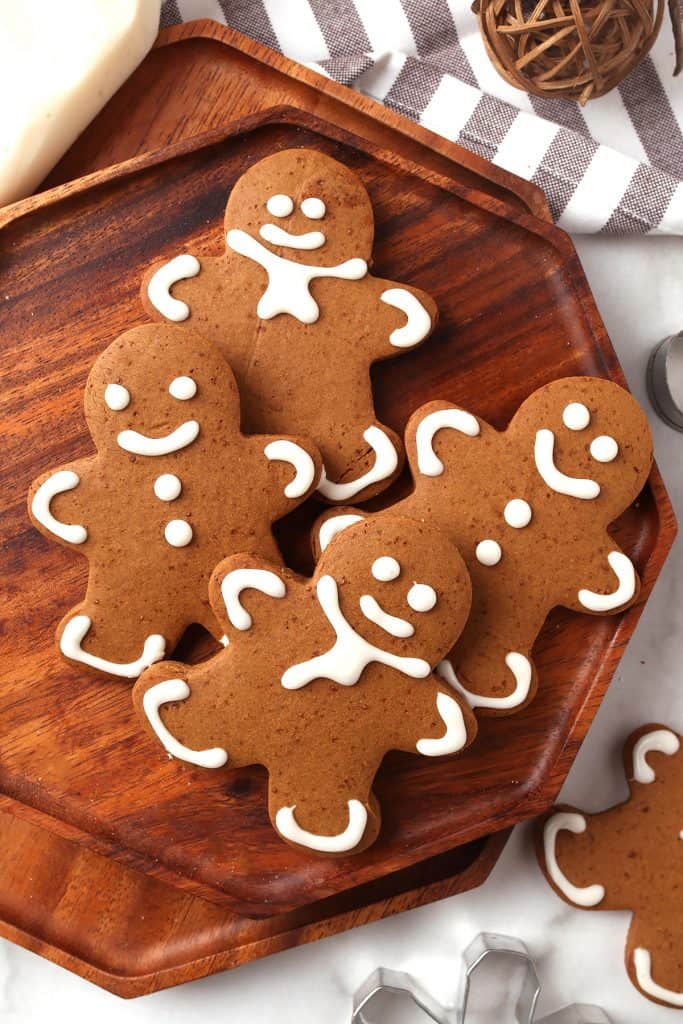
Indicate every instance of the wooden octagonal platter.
{"type": "Point", "coordinates": [74, 767]}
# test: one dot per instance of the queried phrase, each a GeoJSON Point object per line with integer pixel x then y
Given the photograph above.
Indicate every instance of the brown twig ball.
{"type": "Point", "coordinates": [575, 48]}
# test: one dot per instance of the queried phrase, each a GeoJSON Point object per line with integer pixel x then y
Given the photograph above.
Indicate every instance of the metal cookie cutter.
{"type": "Point", "coordinates": [665, 380]}
{"type": "Point", "coordinates": [493, 967]}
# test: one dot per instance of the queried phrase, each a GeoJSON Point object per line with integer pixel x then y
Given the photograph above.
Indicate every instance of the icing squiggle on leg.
{"type": "Point", "coordinates": [386, 461]}
{"type": "Point", "coordinates": [287, 826]}
{"type": "Point", "coordinates": [588, 896]}
{"type": "Point", "coordinates": [642, 963]}
{"type": "Point", "coordinates": [167, 692]}
{"type": "Point", "coordinates": [72, 637]}
{"type": "Point", "coordinates": [519, 665]}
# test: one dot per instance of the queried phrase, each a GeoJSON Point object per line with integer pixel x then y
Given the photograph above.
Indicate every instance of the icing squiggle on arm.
{"type": "Point", "coordinates": [334, 525]}
{"type": "Point", "coordinates": [158, 289]}
{"type": "Point", "coordinates": [454, 738]}
{"type": "Point", "coordinates": [344, 662]}
{"type": "Point", "coordinates": [167, 692]}
{"type": "Point", "coordinates": [72, 637]}
{"type": "Point", "coordinates": [235, 582]}
{"type": "Point", "coordinates": [622, 566]}
{"type": "Point", "coordinates": [642, 963]}
{"type": "Point", "coordinates": [519, 665]}
{"type": "Point", "coordinates": [663, 741]}
{"type": "Point", "coordinates": [288, 826]}
{"type": "Point", "coordinates": [287, 451]}
{"type": "Point", "coordinates": [573, 486]}
{"type": "Point", "coordinates": [588, 896]}
{"type": "Point", "coordinates": [428, 462]}
{"type": "Point", "coordinates": [386, 461]}
{"type": "Point", "coordinates": [62, 480]}
{"type": "Point", "coordinates": [418, 324]}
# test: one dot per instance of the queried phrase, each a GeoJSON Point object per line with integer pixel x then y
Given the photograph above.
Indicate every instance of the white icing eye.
{"type": "Point", "coordinates": [167, 487]}
{"type": "Point", "coordinates": [576, 416]}
{"type": "Point", "coordinates": [279, 205]}
{"type": "Point", "coordinates": [178, 533]}
{"type": "Point", "coordinates": [604, 448]}
{"type": "Point", "coordinates": [182, 388]}
{"type": "Point", "coordinates": [488, 552]}
{"type": "Point", "coordinates": [116, 397]}
{"type": "Point", "coordinates": [517, 513]}
{"type": "Point", "coordinates": [314, 209]}
{"type": "Point", "coordinates": [421, 597]}
{"type": "Point", "coordinates": [385, 569]}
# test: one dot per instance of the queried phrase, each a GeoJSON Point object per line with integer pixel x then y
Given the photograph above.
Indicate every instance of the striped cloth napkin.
{"type": "Point", "coordinates": [614, 166]}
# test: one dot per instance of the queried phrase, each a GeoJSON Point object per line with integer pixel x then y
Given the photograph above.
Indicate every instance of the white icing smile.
{"type": "Point", "coordinates": [373, 612]}
{"type": "Point", "coordinates": [350, 654]}
{"type": "Point", "coordinates": [278, 236]}
{"type": "Point", "coordinates": [574, 487]}
{"type": "Point", "coordinates": [141, 444]}
{"type": "Point", "coordinates": [167, 692]}
{"type": "Point", "coordinates": [288, 282]}
{"type": "Point", "coordinates": [520, 667]}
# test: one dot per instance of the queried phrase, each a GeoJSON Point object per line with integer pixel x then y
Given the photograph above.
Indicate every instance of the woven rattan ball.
{"type": "Point", "coordinates": [575, 48]}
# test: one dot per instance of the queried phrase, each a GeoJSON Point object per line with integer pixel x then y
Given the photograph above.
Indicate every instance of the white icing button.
{"type": "Point", "coordinates": [488, 552]}
{"type": "Point", "coordinates": [116, 397]}
{"type": "Point", "coordinates": [517, 513]}
{"type": "Point", "coordinates": [182, 388]}
{"type": "Point", "coordinates": [279, 205]}
{"type": "Point", "coordinates": [313, 208]}
{"type": "Point", "coordinates": [576, 416]}
{"type": "Point", "coordinates": [421, 597]}
{"type": "Point", "coordinates": [385, 569]}
{"type": "Point", "coordinates": [604, 448]}
{"type": "Point", "coordinates": [178, 533]}
{"type": "Point", "coordinates": [167, 487]}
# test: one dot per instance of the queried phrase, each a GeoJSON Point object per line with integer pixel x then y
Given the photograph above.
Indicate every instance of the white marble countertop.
{"type": "Point", "coordinates": [638, 285]}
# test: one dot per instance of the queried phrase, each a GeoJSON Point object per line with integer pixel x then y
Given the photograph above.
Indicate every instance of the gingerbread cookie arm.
{"type": "Point", "coordinates": [572, 862]}
{"type": "Point", "coordinates": [291, 469]}
{"type": "Point", "coordinates": [158, 291]}
{"type": "Point", "coordinates": [609, 585]}
{"type": "Point", "coordinates": [57, 504]}
{"type": "Point", "coordinates": [433, 435]}
{"type": "Point", "coordinates": [242, 587]}
{"type": "Point", "coordinates": [409, 315]}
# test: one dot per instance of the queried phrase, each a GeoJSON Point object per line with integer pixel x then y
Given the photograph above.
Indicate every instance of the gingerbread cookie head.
{"type": "Point", "coordinates": [298, 204]}
{"type": "Point", "coordinates": [590, 441]}
{"type": "Point", "coordinates": [630, 857]}
{"type": "Point", "coordinates": [322, 676]}
{"type": "Point", "coordinates": [152, 389]}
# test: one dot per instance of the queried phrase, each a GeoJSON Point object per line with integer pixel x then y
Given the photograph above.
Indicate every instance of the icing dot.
{"type": "Point", "coordinates": [167, 487]}
{"type": "Point", "coordinates": [182, 388]}
{"type": "Point", "coordinates": [178, 533]}
{"type": "Point", "coordinates": [314, 209]}
{"type": "Point", "coordinates": [604, 448]}
{"type": "Point", "coordinates": [279, 205]}
{"type": "Point", "coordinates": [385, 569]}
{"type": "Point", "coordinates": [116, 396]}
{"type": "Point", "coordinates": [488, 552]}
{"type": "Point", "coordinates": [421, 597]}
{"type": "Point", "coordinates": [576, 416]}
{"type": "Point", "coordinates": [517, 513]}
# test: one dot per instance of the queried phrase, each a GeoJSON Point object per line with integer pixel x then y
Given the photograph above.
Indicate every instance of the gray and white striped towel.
{"type": "Point", "coordinates": [614, 166]}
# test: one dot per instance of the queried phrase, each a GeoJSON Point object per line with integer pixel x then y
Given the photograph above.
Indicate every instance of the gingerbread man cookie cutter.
{"type": "Point", "coordinates": [515, 970]}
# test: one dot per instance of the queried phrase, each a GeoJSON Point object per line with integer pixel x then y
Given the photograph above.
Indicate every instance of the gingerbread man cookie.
{"type": "Point", "coordinates": [322, 676]}
{"type": "Point", "coordinates": [630, 857]}
{"type": "Point", "coordinates": [297, 314]}
{"type": "Point", "coordinates": [175, 487]}
{"type": "Point", "coordinates": [528, 508]}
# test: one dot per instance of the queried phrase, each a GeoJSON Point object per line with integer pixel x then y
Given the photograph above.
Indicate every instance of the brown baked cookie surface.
{"type": "Point", "coordinates": [528, 508]}
{"type": "Point", "coordinates": [294, 309]}
{"type": "Point", "coordinates": [322, 676]}
{"type": "Point", "coordinates": [630, 857]}
{"type": "Point", "coordinates": [174, 488]}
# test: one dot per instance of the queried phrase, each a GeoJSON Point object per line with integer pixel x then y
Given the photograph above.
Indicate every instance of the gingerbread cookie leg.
{"type": "Point", "coordinates": [474, 680]}
{"type": "Point", "coordinates": [362, 465]}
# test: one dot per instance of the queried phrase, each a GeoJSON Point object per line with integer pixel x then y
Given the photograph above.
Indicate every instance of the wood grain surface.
{"type": "Point", "coordinates": [516, 312]}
